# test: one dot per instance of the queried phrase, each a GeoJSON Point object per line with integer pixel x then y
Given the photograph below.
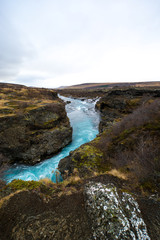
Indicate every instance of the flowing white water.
{"type": "Point", "coordinates": [84, 120]}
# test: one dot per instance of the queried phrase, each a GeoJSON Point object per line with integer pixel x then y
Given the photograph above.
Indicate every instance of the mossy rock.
{"type": "Point", "coordinates": [133, 102]}
{"type": "Point", "coordinates": [87, 157]}
{"type": "Point", "coordinates": [21, 184]}
{"type": "Point", "coordinates": [47, 189]}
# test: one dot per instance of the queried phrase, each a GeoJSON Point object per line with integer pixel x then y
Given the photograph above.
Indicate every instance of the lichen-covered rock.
{"type": "Point", "coordinates": [113, 215]}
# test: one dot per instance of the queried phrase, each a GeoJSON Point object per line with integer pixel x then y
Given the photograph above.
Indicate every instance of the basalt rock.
{"type": "Point", "coordinates": [85, 159]}
{"type": "Point", "coordinates": [116, 104]}
{"type": "Point", "coordinates": [31, 215]}
{"type": "Point", "coordinates": [114, 216]}
{"type": "Point", "coordinates": [34, 127]}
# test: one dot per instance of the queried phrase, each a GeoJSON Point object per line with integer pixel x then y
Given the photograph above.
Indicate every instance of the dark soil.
{"type": "Point", "coordinates": [27, 216]}
{"type": "Point", "coordinates": [150, 209]}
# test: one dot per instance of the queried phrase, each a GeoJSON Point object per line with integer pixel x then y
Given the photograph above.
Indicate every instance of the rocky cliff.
{"type": "Point", "coordinates": [116, 104]}
{"type": "Point", "coordinates": [33, 124]}
{"type": "Point", "coordinates": [95, 208]}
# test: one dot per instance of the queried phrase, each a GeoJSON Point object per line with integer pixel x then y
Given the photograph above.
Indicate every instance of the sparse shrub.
{"type": "Point", "coordinates": [133, 145]}
{"type": "Point", "coordinates": [142, 115]}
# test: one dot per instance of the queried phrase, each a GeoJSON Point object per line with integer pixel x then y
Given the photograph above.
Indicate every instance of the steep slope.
{"type": "Point", "coordinates": [33, 124]}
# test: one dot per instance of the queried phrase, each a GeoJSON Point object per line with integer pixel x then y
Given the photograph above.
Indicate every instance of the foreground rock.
{"type": "Point", "coordinates": [43, 214]}
{"type": "Point", "coordinates": [114, 216]}
{"type": "Point", "coordinates": [96, 208]}
{"type": "Point", "coordinates": [33, 124]}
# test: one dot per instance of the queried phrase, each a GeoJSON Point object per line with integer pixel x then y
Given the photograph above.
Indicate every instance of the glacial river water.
{"type": "Point", "coordinates": [84, 121]}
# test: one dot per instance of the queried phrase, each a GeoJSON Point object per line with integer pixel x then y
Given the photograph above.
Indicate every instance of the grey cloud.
{"type": "Point", "coordinates": [71, 41]}
{"type": "Point", "coordinates": [13, 49]}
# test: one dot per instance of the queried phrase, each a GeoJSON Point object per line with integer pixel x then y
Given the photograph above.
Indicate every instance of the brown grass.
{"type": "Point", "coordinates": [116, 173]}
{"type": "Point", "coordinates": [6, 199]}
{"type": "Point", "coordinates": [47, 182]}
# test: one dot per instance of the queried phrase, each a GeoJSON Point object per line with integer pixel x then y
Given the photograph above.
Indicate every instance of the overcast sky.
{"type": "Point", "coordinates": [51, 43]}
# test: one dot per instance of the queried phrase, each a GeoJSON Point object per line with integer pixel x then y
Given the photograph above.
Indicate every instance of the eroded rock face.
{"type": "Point", "coordinates": [116, 104]}
{"type": "Point", "coordinates": [114, 216]}
{"type": "Point", "coordinates": [34, 127]}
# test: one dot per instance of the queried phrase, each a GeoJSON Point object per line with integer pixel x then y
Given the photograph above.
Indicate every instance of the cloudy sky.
{"type": "Point", "coordinates": [51, 43]}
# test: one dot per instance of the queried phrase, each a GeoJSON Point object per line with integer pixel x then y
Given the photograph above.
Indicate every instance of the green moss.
{"type": "Point", "coordinates": [152, 126]}
{"type": "Point", "coordinates": [46, 189]}
{"type": "Point", "coordinates": [87, 156]}
{"type": "Point", "coordinates": [20, 184]}
{"type": "Point", "coordinates": [125, 134]}
{"type": "Point", "coordinates": [123, 138]}
{"type": "Point", "coordinates": [96, 140]}
{"type": "Point", "coordinates": [133, 102]}
{"type": "Point", "coordinates": [148, 185]}
{"type": "Point", "coordinates": [51, 121]}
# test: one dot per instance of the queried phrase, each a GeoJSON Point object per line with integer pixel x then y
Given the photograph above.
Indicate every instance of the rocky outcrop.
{"type": "Point", "coordinates": [81, 93]}
{"type": "Point", "coordinates": [86, 159]}
{"type": "Point", "coordinates": [98, 209]}
{"type": "Point", "coordinates": [116, 104]}
{"type": "Point", "coordinates": [36, 215]}
{"type": "Point", "coordinates": [33, 124]}
{"type": "Point", "coordinates": [114, 216]}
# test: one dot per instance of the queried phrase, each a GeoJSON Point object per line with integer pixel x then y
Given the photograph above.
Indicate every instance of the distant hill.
{"type": "Point", "coordinates": [111, 85]}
